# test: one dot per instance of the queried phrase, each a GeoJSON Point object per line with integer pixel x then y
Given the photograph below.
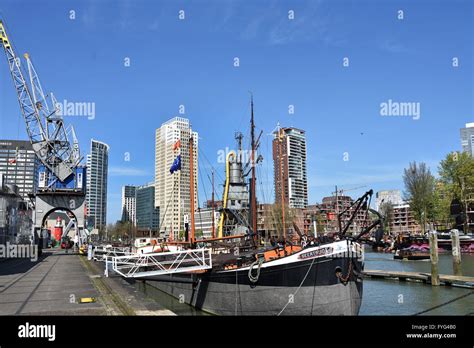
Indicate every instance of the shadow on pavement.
{"type": "Point", "coordinates": [21, 265]}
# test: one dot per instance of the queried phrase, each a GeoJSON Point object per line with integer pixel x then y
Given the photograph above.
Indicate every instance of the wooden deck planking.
{"type": "Point", "coordinates": [445, 279]}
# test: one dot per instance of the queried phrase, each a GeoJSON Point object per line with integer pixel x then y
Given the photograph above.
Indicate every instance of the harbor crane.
{"type": "Point", "coordinates": [340, 192]}
{"type": "Point", "coordinates": [61, 177]}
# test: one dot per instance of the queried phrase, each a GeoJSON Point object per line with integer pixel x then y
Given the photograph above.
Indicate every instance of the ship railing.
{"type": "Point", "coordinates": [102, 253]}
{"type": "Point", "coordinates": [154, 264]}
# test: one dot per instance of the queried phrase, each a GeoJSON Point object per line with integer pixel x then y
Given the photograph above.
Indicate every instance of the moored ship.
{"type": "Point", "coordinates": [233, 274]}
{"type": "Point", "coordinates": [322, 280]}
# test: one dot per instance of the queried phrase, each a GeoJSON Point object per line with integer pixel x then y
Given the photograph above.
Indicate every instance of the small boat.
{"type": "Point", "coordinates": [468, 248]}
{"type": "Point", "coordinates": [152, 245]}
{"type": "Point", "coordinates": [414, 252]}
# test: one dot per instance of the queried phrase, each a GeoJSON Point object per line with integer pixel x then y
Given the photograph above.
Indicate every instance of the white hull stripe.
{"type": "Point", "coordinates": [327, 250]}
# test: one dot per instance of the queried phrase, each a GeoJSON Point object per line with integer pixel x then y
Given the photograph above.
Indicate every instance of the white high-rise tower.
{"type": "Point", "coordinates": [172, 191]}
{"type": "Point", "coordinates": [96, 194]}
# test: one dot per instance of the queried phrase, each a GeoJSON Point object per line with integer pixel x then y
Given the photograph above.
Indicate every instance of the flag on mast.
{"type": "Point", "coordinates": [177, 145]}
{"type": "Point", "coordinates": [176, 165]}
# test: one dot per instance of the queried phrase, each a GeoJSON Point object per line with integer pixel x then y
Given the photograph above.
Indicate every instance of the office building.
{"type": "Point", "coordinates": [147, 215]}
{"type": "Point", "coordinates": [203, 222]}
{"type": "Point", "coordinates": [172, 191]}
{"type": "Point", "coordinates": [19, 164]}
{"type": "Point", "coordinates": [289, 164]}
{"type": "Point", "coordinates": [96, 192]}
{"type": "Point", "coordinates": [129, 206]}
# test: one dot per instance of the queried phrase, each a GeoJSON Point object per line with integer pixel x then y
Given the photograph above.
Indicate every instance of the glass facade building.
{"type": "Point", "coordinates": [96, 193]}
{"type": "Point", "coordinates": [147, 215]}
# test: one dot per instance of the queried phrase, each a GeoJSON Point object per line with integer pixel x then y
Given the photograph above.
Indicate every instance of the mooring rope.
{"type": "Point", "coordinates": [236, 289]}
{"type": "Point", "coordinates": [253, 278]}
{"type": "Point", "coordinates": [445, 303]}
{"type": "Point", "coordinates": [306, 275]}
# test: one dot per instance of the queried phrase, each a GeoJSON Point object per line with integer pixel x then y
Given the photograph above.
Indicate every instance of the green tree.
{"type": "Point", "coordinates": [275, 220]}
{"type": "Point", "coordinates": [121, 230]}
{"type": "Point", "coordinates": [198, 234]}
{"type": "Point", "coordinates": [320, 222]}
{"type": "Point", "coordinates": [457, 170]}
{"type": "Point", "coordinates": [443, 196]}
{"type": "Point", "coordinates": [419, 192]}
{"type": "Point", "coordinates": [386, 210]}
{"type": "Point", "coordinates": [457, 173]}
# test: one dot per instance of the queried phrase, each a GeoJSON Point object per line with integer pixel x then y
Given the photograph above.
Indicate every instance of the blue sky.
{"type": "Point", "coordinates": [283, 62]}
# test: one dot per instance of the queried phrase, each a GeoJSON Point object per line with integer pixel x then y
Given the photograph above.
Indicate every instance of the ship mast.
{"type": "Point", "coordinates": [252, 182]}
{"type": "Point", "coordinates": [282, 186]}
{"type": "Point", "coordinates": [192, 238]}
{"type": "Point", "coordinates": [213, 206]}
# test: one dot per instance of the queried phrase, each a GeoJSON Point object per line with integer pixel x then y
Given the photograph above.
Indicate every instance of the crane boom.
{"type": "Point", "coordinates": [54, 149]}
{"type": "Point", "coordinates": [54, 124]}
{"type": "Point", "coordinates": [33, 121]}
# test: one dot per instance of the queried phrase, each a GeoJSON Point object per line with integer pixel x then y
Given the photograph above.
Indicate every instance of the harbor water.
{"type": "Point", "coordinates": [392, 297]}
{"type": "Point", "coordinates": [384, 297]}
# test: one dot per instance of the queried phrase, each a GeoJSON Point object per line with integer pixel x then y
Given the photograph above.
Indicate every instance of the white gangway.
{"type": "Point", "coordinates": [103, 253]}
{"type": "Point", "coordinates": [147, 265]}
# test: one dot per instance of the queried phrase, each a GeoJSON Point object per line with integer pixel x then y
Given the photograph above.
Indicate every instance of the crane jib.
{"type": "Point", "coordinates": [46, 130]}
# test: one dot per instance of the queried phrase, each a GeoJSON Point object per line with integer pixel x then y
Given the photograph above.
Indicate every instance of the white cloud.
{"type": "Point", "coordinates": [392, 46]}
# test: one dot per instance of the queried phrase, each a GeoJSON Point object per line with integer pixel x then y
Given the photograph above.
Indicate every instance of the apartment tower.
{"type": "Point", "coordinates": [172, 191]}
{"type": "Point", "coordinates": [289, 164]}
{"type": "Point", "coordinates": [96, 193]}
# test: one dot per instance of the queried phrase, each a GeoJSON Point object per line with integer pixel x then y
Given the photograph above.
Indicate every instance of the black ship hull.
{"type": "Point", "coordinates": [308, 287]}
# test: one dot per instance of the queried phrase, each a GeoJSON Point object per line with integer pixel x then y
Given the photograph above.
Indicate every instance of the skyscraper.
{"type": "Point", "coordinates": [19, 163]}
{"type": "Point", "coordinates": [467, 138]}
{"type": "Point", "coordinates": [147, 215]}
{"type": "Point", "coordinates": [129, 206]}
{"type": "Point", "coordinates": [289, 165]}
{"type": "Point", "coordinates": [96, 193]}
{"type": "Point", "coordinates": [172, 191]}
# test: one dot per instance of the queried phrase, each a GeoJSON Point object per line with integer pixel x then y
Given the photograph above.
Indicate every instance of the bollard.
{"type": "Point", "coordinates": [106, 271]}
{"type": "Point", "coordinates": [456, 247]}
{"type": "Point", "coordinates": [434, 258]}
{"type": "Point", "coordinates": [89, 252]}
